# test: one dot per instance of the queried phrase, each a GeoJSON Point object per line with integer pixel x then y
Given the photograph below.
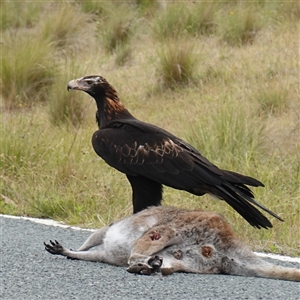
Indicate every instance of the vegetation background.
{"type": "Point", "coordinates": [224, 76]}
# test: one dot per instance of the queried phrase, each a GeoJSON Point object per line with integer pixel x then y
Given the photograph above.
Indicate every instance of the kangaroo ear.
{"type": "Point", "coordinates": [167, 271]}
{"type": "Point", "coordinates": [207, 251]}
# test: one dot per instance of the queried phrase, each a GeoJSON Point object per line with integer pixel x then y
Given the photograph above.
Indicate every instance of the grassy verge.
{"type": "Point", "coordinates": [235, 100]}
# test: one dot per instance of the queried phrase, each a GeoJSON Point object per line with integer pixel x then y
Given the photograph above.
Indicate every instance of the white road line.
{"type": "Point", "coordinates": [279, 257]}
{"type": "Point", "coordinates": [50, 222]}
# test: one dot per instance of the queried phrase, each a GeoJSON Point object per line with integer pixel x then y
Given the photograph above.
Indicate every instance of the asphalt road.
{"type": "Point", "coordinates": [29, 272]}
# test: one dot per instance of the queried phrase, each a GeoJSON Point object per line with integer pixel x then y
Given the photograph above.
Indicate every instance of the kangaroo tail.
{"type": "Point", "coordinates": [259, 268]}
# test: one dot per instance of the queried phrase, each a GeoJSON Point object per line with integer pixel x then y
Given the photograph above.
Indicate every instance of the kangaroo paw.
{"type": "Point", "coordinates": [152, 266]}
{"type": "Point", "coordinates": [140, 268]}
{"type": "Point", "coordinates": [54, 248]}
{"type": "Point", "coordinates": [155, 262]}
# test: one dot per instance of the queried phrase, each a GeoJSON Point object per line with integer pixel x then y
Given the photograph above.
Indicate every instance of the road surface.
{"type": "Point", "coordinates": [29, 272]}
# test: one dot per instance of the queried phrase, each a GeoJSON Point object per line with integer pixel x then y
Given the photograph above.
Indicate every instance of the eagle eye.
{"type": "Point", "coordinates": [90, 81]}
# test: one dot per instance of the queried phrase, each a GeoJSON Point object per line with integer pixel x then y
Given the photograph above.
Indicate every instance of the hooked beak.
{"type": "Point", "coordinates": [76, 84]}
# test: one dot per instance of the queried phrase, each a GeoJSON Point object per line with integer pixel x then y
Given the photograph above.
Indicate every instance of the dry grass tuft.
{"type": "Point", "coordinates": [27, 70]}
{"type": "Point", "coordinates": [66, 28]}
{"type": "Point", "coordinates": [177, 63]}
{"type": "Point", "coordinates": [117, 28]}
{"type": "Point", "coordinates": [240, 26]}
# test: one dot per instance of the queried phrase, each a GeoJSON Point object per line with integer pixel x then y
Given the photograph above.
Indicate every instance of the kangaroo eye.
{"type": "Point", "coordinates": [178, 254]}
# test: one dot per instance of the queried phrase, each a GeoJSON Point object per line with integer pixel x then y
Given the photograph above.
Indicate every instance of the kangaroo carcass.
{"type": "Point", "coordinates": [167, 240]}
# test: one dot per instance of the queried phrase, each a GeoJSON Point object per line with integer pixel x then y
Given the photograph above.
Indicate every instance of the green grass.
{"type": "Point", "coordinates": [170, 23]}
{"type": "Point", "coordinates": [203, 17]}
{"type": "Point", "coordinates": [241, 25]}
{"type": "Point", "coordinates": [19, 15]}
{"type": "Point", "coordinates": [236, 100]}
{"type": "Point", "coordinates": [117, 27]}
{"type": "Point", "coordinates": [236, 132]}
{"type": "Point", "coordinates": [66, 28]}
{"type": "Point", "coordinates": [273, 100]}
{"type": "Point", "coordinates": [64, 107]}
{"type": "Point", "coordinates": [97, 8]}
{"type": "Point", "coordinates": [179, 20]}
{"type": "Point", "coordinates": [27, 69]}
{"type": "Point", "coordinates": [178, 63]}
{"type": "Point", "coordinates": [50, 163]}
{"type": "Point", "coordinates": [123, 55]}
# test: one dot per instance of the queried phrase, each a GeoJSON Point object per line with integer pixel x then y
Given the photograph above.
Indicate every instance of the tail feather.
{"type": "Point", "coordinates": [235, 192]}
{"type": "Point", "coordinates": [251, 214]}
{"type": "Point", "coordinates": [249, 197]}
{"type": "Point", "coordinates": [237, 178]}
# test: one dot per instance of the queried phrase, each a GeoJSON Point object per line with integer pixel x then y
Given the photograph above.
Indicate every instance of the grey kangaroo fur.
{"type": "Point", "coordinates": [167, 240]}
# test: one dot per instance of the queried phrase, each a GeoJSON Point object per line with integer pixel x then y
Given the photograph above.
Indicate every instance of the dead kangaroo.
{"type": "Point", "coordinates": [167, 240]}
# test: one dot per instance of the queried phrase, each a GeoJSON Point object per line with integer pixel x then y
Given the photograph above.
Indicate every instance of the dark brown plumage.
{"type": "Point", "coordinates": [151, 157]}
